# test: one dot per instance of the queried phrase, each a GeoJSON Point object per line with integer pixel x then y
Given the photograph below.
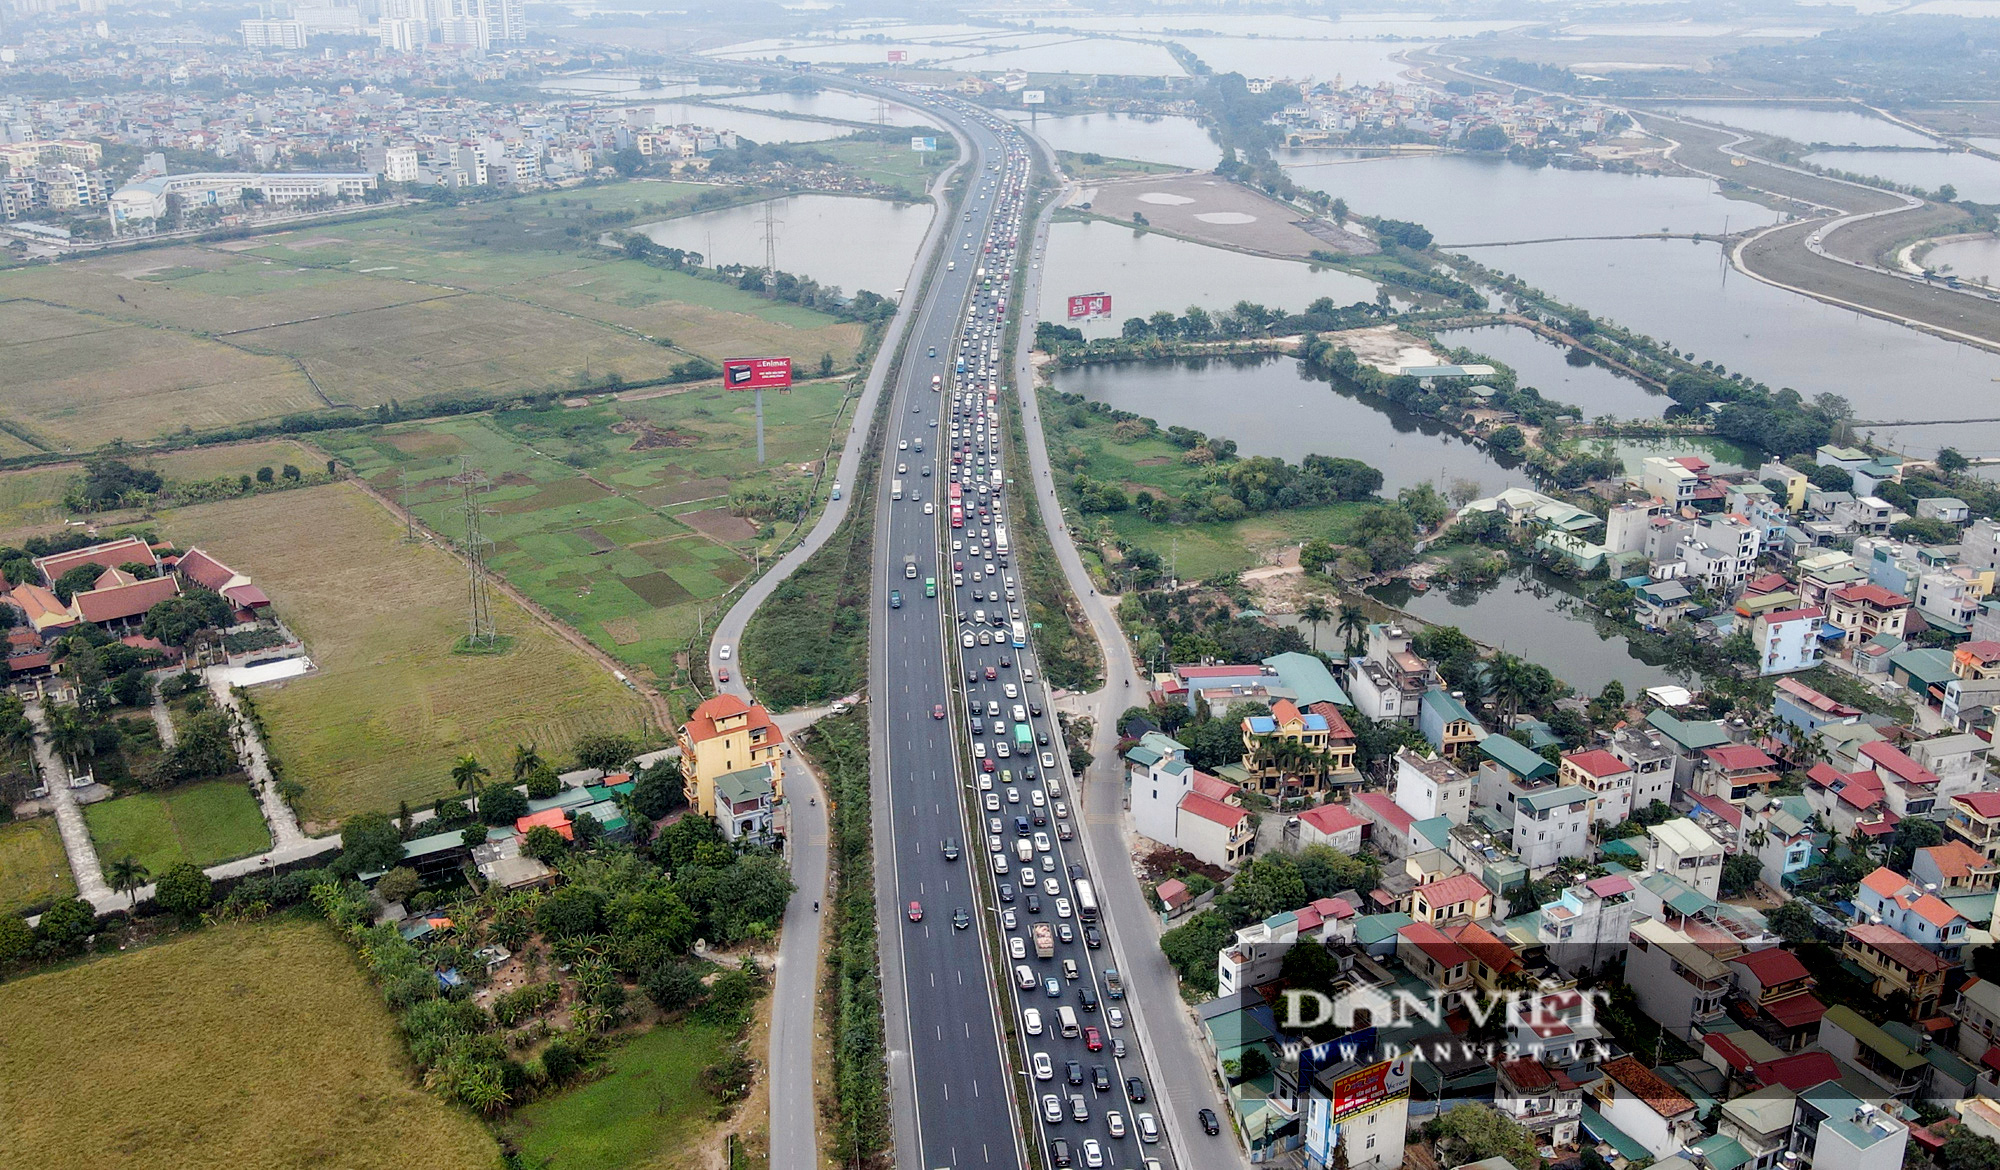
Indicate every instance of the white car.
{"type": "Point", "coordinates": [1013, 796]}
{"type": "Point", "coordinates": [1062, 906]}
{"type": "Point", "coordinates": [993, 825]}
{"type": "Point", "coordinates": [1012, 692]}
{"type": "Point", "coordinates": [1042, 843]}
{"type": "Point", "coordinates": [1115, 1017]}
{"type": "Point", "coordinates": [1045, 1069]}
{"type": "Point", "coordinates": [723, 653]}
{"type": "Point", "coordinates": [992, 802]}
{"type": "Point", "coordinates": [986, 785]}
{"type": "Point", "coordinates": [1017, 947]}
{"type": "Point", "coordinates": [1052, 1113]}
{"type": "Point", "coordinates": [903, 446]}
{"type": "Point", "coordinates": [1115, 1122]}
{"type": "Point", "coordinates": [1149, 1132]}
{"type": "Point", "coordinates": [1024, 977]}
{"type": "Point", "coordinates": [928, 508]}
{"type": "Point", "coordinates": [1048, 863]}
{"type": "Point", "coordinates": [1093, 1150]}
{"type": "Point", "coordinates": [968, 641]}
{"type": "Point", "coordinates": [1037, 797]}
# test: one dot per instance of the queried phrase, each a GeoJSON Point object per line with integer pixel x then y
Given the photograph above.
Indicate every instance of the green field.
{"type": "Point", "coordinates": [206, 823]}
{"type": "Point", "coordinates": [492, 298]}
{"type": "Point", "coordinates": [637, 1116]}
{"type": "Point", "coordinates": [245, 1045]}
{"type": "Point", "coordinates": [390, 706]}
{"type": "Point", "coordinates": [618, 518]}
{"type": "Point", "coordinates": [1196, 551]}
{"type": "Point", "coordinates": [33, 870]}
{"type": "Point", "coordinates": [31, 499]}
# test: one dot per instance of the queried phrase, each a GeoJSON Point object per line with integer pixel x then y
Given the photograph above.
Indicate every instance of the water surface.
{"type": "Point", "coordinates": [1561, 373]}
{"type": "Point", "coordinates": [838, 240]}
{"type": "Point", "coordinates": [1172, 140]}
{"type": "Point", "coordinates": [1976, 177]}
{"type": "Point", "coordinates": [1806, 124]}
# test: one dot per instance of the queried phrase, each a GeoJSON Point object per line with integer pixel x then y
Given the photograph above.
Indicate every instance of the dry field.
{"type": "Point", "coordinates": [391, 706]}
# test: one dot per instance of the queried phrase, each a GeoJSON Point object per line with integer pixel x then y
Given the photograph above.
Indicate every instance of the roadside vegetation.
{"type": "Point", "coordinates": [852, 993]}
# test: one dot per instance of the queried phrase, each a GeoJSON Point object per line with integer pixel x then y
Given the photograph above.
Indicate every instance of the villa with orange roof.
{"type": "Point", "coordinates": [727, 735]}
{"type": "Point", "coordinates": [1285, 752]}
{"type": "Point", "coordinates": [1889, 899]}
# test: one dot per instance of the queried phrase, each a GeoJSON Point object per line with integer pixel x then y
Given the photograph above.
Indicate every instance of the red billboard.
{"type": "Point", "coordinates": [756, 373]}
{"type": "Point", "coordinates": [1369, 1086]}
{"type": "Point", "coordinates": [896, 55]}
{"type": "Point", "coordinates": [1089, 305]}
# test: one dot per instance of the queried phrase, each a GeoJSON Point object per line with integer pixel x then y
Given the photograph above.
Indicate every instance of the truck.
{"type": "Point", "coordinates": [1045, 941]}
{"type": "Point", "coordinates": [895, 489]}
{"type": "Point", "coordinates": [1113, 985]}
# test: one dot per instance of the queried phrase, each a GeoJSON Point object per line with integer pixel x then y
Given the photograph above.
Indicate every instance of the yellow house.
{"type": "Point", "coordinates": [1279, 768]}
{"type": "Point", "coordinates": [726, 735]}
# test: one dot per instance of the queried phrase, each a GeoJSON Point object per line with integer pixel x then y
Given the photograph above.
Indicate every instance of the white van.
{"type": "Point", "coordinates": [1066, 1019]}
{"type": "Point", "coordinates": [1024, 849]}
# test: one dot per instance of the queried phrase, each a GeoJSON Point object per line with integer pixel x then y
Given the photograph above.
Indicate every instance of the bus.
{"type": "Point", "coordinates": [1000, 540]}
{"type": "Point", "coordinates": [955, 493]}
{"type": "Point", "coordinates": [957, 516]}
{"type": "Point", "coordinates": [1086, 902]}
{"type": "Point", "coordinates": [1024, 740]}
{"type": "Point", "coordinates": [1020, 634]}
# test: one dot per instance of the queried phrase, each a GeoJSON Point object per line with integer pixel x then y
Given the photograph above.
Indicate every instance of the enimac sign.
{"type": "Point", "coordinates": [756, 373]}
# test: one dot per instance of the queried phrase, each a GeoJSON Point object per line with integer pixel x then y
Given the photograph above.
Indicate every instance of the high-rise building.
{"type": "Point", "coordinates": [506, 20]}
{"type": "Point", "coordinates": [273, 34]}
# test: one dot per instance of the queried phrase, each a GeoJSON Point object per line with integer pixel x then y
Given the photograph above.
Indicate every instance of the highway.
{"type": "Point", "coordinates": [951, 692]}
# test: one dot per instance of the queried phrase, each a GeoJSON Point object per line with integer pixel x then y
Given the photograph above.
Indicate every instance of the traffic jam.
{"type": "Point", "coordinates": [1083, 1072]}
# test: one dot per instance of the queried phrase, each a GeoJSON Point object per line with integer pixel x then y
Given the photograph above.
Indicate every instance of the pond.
{"type": "Point", "coordinates": [631, 88]}
{"type": "Point", "coordinates": [1684, 294]}
{"type": "Point", "coordinates": [1540, 617]}
{"type": "Point", "coordinates": [1517, 202]}
{"type": "Point", "coordinates": [1145, 272]}
{"type": "Point", "coordinates": [757, 127]}
{"type": "Point", "coordinates": [838, 240]}
{"type": "Point", "coordinates": [1805, 124]}
{"type": "Point", "coordinates": [1561, 373]}
{"type": "Point", "coordinates": [1971, 259]}
{"type": "Point", "coordinates": [1976, 177]}
{"type": "Point", "coordinates": [1172, 140]}
{"type": "Point", "coordinates": [1269, 406]}
{"type": "Point", "coordinates": [1350, 62]}
{"type": "Point", "coordinates": [1724, 457]}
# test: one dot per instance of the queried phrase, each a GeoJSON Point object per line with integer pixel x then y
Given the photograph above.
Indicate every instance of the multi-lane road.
{"type": "Point", "coordinates": [984, 843]}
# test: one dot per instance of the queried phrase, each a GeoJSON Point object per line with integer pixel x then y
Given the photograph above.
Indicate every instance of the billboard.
{"type": "Point", "coordinates": [1034, 97]}
{"type": "Point", "coordinates": [1089, 305]}
{"type": "Point", "coordinates": [756, 373]}
{"type": "Point", "coordinates": [923, 144]}
{"type": "Point", "coordinates": [898, 56]}
{"type": "Point", "coordinates": [1365, 1088]}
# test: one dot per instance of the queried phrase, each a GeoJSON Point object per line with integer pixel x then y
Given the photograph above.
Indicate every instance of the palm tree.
{"type": "Point", "coordinates": [526, 760]}
{"type": "Point", "coordinates": [466, 772]}
{"type": "Point", "coordinates": [1510, 683]}
{"type": "Point", "coordinates": [1312, 614]}
{"type": "Point", "coordinates": [126, 875]}
{"type": "Point", "coordinates": [1352, 625]}
{"type": "Point", "coordinates": [69, 734]}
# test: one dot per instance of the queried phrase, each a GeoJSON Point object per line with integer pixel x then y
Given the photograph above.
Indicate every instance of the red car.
{"type": "Point", "coordinates": [722, 675]}
{"type": "Point", "coordinates": [917, 915]}
{"type": "Point", "coordinates": [986, 765]}
{"type": "Point", "coordinates": [991, 674]}
{"type": "Point", "coordinates": [937, 710]}
{"type": "Point", "coordinates": [1092, 1038]}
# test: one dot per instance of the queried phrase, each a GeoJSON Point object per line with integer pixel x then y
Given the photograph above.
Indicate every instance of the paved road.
{"type": "Point", "coordinates": [1179, 1064]}
{"type": "Point", "coordinates": [794, 1109]}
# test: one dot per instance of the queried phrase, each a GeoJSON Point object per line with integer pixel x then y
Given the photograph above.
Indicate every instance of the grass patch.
{"type": "Point", "coordinates": [242, 1045]}
{"type": "Point", "coordinates": [894, 164]}
{"type": "Point", "coordinates": [1096, 166]}
{"type": "Point", "coordinates": [209, 822]}
{"type": "Point", "coordinates": [31, 499]}
{"type": "Point", "coordinates": [33, 869]}
{"type": "Point", "coordinates": [645, 1106]}
{"type": "Point", "coordinates": [498, 644]}
{"type": "Point", "coordinates": [391, 707]}
{"type": "Point", "coordinates": [623, 518]}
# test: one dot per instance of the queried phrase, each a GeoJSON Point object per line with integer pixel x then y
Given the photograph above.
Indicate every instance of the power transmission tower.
{"type": "Point", "coordinates": [479, 600]}
{"type": "Point", "coordinates": [770, 243]}
{"type": "Point", "coordinates": [403, 499]}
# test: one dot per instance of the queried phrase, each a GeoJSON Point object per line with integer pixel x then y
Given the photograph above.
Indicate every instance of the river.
{"type": "Point", "coordinates": [1145, 272]}
{"type": "Point", "coordinates": [1975, 177]}
{"type": "Point", "coordinates": [1269, 406]}
{"type": "Point", "coordinates": [839, 240]}
{"type": "Point", "coordinates": [1540, 617]}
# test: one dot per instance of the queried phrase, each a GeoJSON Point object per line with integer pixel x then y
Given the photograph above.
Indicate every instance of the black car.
{"type": "Point", "coordinates": [1034, 903]}
{"type": "Point", "coordinates": [1100, 1078]}
{"type": "Point", "coordinates": [1059, 1152]}
{"type": "Point", "coordinates": [1007, 894]}
{"type": "Point", "coordinates": [1086, 997]}
{"type": "Point", "coordinates": [978, 725]}
{"type": "Point", "coordinates": [1075, 872]}
{"type": "Point", "coordinates": [1209, 1125]}
{"type": "Point", "coordinates": [1041, 818]}
{"type": "Point", "coordinates": [1135, 1089]}
{"type": "Point", "coordinates": [1075, 1070]}
{"type": "Point", "coordinates": [1091, 938]}
{"type": "Point", "coordinates": [1043, 739]}
{"type": "Point", "coordinates": [960, 919]}
{"type": "Point", "coordinates": [1021, 826]}
{"type": "Point", "coordinates": [1035, 709]}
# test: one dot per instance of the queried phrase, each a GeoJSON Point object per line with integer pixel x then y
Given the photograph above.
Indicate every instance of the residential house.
{"type": "Point", "coordinates": [1544, 1100]}
{"type": "Point", "coordinates": [1587, 927]}
{"type": "Point", "coordinates": [1850, 802]}
{"type": "Point", "coordinates": [1978, 1014]}
{"type": "Point", "coordinates": [1733, 771]}
{"type": "Point", "coordinates": [1720, 551]}
{"type": "Point", "coordinates": [1658, 604]}
{"type": "Point", "coordinates": [1805, 710]}
{"type": "Point", "coordinates": [1673, 482]}
{"type": "Point", "coordinates": [1911, 787]}
{"type": "Point", "coordinates": [1606, 777]}
{"type": "Point", "coordinates": [1450, 899]}
{"type": "Point", "coordinates": [1444, 720]}
{"type": "Point", "coordinates": [723, 735]}
{"type": "Point", "coordinates": [1646, 1108]}
{"type": "Point", "coordinates": [1865, 611]}
{"type": "Point", "coordinates": [1428, 954]}
{"type": "Point", "coordinates": [1335, 825]}
{"type": "Point", "coordinates": [1182, 807]}
{"type": "Point", "coordinates": [1680, 972]}
{"type": "Point", "coordinates": [1390, 827]}
{"type": "Point", "coordinates": [1778, 831]}
{"type": "Point", "coordinates": [1949, 509]}
{"type": "Point", "coordinates": [1682, 848]}
{"type": "Point", "coordinates": [1870, 515]}
{"type": "Point", "coordinates": [1896, 966]}
{"type": "Point", "coordinates": [1957, 761]}
{"type": "Point", "coordinates": [1969, 704]}
{"type": "Point", "coordinates": [743, 802]}
{"type": "Point", "coordinates": [1646, 752]}
{"type": "Point", "coordinates": [1551, 825]}
{"type": "Point", "coordinates": [1976, 660]}
{"type": "Point", "coordinates": [1389, 679]}
{"type": "Point", "coordinates": [1776, 998]}
{"type": "Point", "coordinates": [1787, 640]}
{"type": "Point", "coordinates": [1795, 484]}
{"type": "Point", "coordinates": [1359, 1108]}
{"type": "Point", "coordinates": [1258, 952]}
{"type": "Point", "coordinates": [1954, 868]}
{"type": "Point", "coordinates": [1835, 1130]}
{"type": "Point", "coordinates": [1974, 818]}
{"type": "Point", "coordinates": [1888, 898]}
{"type": "Point", "coordinates": [1685, 740]}
{"type": "Point", "coordinates": [1432, 787]}
{"type": "Point", "coordinates": [1285, 752]}
{"type": "Point", "coordinates": [1760, 1123]}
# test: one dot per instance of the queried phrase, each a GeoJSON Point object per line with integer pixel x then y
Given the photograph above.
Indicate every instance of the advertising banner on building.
{"type": "Point", "coordinates": [756, 373]}
{"type": "Point", "coordinates": [1367, 1087]}
{"type": "Point", "coordinates": [1089, 305]}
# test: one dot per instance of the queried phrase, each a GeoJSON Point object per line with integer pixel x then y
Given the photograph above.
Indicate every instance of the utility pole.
{"type": "Point", "coordinates": [403, 498]}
